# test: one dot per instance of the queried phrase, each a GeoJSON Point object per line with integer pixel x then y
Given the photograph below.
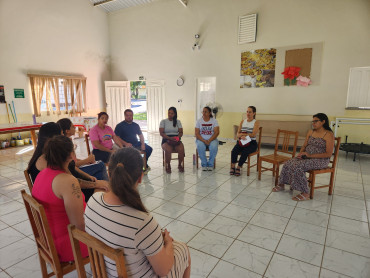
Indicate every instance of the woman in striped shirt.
{"type": "Point", "coordinates": [246, 144]}
{"type": "Point", "coordinates": [120, 220]}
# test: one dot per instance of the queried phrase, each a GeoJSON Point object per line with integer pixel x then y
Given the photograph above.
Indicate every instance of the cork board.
{"type": "Point", "coordinates": [299, 58]}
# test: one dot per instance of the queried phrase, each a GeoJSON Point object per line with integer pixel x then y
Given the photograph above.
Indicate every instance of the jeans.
{"type": "Point", "coordinates": [98, 170]}
{"type": "Point", "coordinates": [213, 148]}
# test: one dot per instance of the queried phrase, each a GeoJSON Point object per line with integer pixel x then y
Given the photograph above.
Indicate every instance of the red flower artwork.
{"type": "Point", "coordinates": [291, 72]}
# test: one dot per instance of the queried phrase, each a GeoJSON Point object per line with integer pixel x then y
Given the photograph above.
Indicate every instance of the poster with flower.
{"type": "Point", "coordinates": [257, 68]}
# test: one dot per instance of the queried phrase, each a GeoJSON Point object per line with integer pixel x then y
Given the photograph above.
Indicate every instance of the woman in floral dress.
{"type": "Point", "coordinates": [315, 154]}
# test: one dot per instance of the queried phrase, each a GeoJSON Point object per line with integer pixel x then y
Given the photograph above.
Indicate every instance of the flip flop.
{"type": "Point", "coordinates": [300, 198]}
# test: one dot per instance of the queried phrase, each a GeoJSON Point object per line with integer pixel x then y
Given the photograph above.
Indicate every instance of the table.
{"type": "Point", "coordinates": [21, 127]}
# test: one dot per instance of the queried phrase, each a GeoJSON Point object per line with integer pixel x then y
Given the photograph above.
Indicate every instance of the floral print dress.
{"type": "Point", "coordinates": [294, 170]}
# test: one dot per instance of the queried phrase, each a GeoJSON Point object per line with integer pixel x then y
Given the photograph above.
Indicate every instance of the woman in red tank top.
{"type": "Point", "coordinates": [60, 194]}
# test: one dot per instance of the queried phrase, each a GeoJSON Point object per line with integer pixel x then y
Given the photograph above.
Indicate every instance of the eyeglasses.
{"type": "Point", "coordinates": [315, 121]}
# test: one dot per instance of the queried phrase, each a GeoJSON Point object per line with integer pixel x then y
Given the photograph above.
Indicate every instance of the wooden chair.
{"type": "Point", "coordinates": [164, 160]}
{"type": "Point", "coordinates": [97, 251]}
{"type": "Point", "coordinates": [197, 157]}
{"type": "Point", "coordinates": [277, 159]}
{"type": "Point", "coordinates": [44, 240]}
{"type": "Point", "coordinates": [87, 144]}
{"type": "Point", "coordinates": [257, 152]}
{"type": "Point", "coordinates": [330, 169]}
{"type": "Point", "coordinates": [28, 179]}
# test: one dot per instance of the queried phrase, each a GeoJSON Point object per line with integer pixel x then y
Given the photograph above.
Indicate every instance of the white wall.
{"type": "Point", "coordinates": [52, 36]}
{"type": "Point", "coordinates": [155, 41]}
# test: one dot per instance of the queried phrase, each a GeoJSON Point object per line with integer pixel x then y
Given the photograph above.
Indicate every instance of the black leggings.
{"type": "Point", "coordinates": [243, 151]}
{"type": "Point", "coordinates": [101, 155]}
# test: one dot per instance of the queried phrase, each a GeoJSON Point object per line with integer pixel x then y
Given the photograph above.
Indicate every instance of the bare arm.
{"type": "Point", "coordinates": [163, 261]}
{"type": "Point", "coordinates": [239, 134]}
{"type": "Point", "coordinates": [198, 136]}
{"type": "Point", "coordinates": [309, 133]}
{"type": "Point", "coordinates": [142, 141]}
{"type": "Point", "coordinates": [255, 129]}
{"type": "Point", "coordinates": [89, 160]}
{"type": "Point", "coordinates": [181, 132]}
{"type": "Point", "coordinates": [118, 141]}
{"type": "Point", "coordinates": [215, 134]}
{"type": "Point", "coordinates": [99, 146]}
{"type": "Point", "coordinates": [66, 187]}
{"type": "Point", "coordinates": [161, 132]}
{"type": "Point", "coordinates": [87, 176]}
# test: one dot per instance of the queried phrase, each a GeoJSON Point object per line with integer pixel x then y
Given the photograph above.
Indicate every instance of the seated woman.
{"type": "Point", "coordinates": [101, 136]}
{"type": "Point", "coordinates": [39, 163]}
{"type": "Point", "coordinates": [60, 194]}
{"type": "Point", "coordinates": [314, 154]}
{"type": "Point", "coordinates": [171, 131]}
{"type": "Point", "coordinates": [120, 220]}
{"type": "Point", "coordinates": [87, 165]}
{"type": "Point", "coordinates": [247, 132]}
{"type": "Point", "coordinates": [206, 132]}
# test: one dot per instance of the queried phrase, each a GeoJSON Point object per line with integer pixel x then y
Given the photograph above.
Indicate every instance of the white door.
{"type": "Point", "coordinates": [118, 99]}
{"type": "Point", "coordinates": [206, 93]}
{"type": "Point", "coordinates": [155, 101]}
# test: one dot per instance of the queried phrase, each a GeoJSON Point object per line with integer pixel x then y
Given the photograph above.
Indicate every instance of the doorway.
{"type": "Point", "coordinates": [139, 103]}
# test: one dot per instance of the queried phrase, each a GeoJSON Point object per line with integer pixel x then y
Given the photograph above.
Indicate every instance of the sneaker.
{"type": "Point", "coordinates": [210, 169]}
{"type": "Point", "coordinates": [146, 171]}
{"type": "Point", "coordinates": [204, 168]}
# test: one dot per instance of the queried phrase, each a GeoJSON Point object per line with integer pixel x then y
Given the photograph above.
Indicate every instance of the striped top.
{"type": "Point", "coordinates": [120, 226]}
{"type": "Point", "coordinates": [247, 127]}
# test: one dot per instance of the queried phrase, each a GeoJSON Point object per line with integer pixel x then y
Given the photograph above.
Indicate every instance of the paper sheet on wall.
{"type": "Point", "coordinates": [299, 58]}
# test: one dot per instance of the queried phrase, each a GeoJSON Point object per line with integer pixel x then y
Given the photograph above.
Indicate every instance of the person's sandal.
{"type": "Point", "coordinates": [300, 198]}
{"type": "Point", "coordinates": [232, 171]}
{"type": "Point", "coordinates": [278, 188]}
{"type": "Point", "coordinates": [237, 172]}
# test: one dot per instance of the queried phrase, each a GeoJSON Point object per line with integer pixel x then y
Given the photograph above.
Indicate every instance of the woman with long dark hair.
{"type": "Point", "coordinates": [314, 154]}
{"type": "Point", "coordinates": [101, 136]}
{"type": "Point", "coordinates": [60, 194]}
{"type": "Point", "coordinates": [120, 219]}
{"type": "Point", "coordinates": [206, 132]}
{"type": "Point", "coordinates": [171, 131]}
{"type": "Point", "coordinates": [88, 165]}
{"type": "Point", "coordinates": [246, 144]}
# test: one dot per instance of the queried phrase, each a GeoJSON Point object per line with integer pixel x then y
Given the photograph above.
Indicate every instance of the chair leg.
{"type": "Point", "coordinates": [276, 167]}
{"type": "Point", "coordinates": [331, 185]}
{"type": "Point", "coordinates": [312, 179]}
{"type": "Point", "coordinates": [163, 157]}
{"type": "Point", "coordinates": [248, 166]}
{"type": "Point", "coordinates": [44, 270]}
{"type": "Point", "coordinates": [197, 158]}
{"type": "Point", "coordinates": [259, 168]}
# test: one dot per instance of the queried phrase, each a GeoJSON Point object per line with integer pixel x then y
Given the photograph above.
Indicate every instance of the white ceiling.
{"type": "Point", "coordinates": [115, 5]}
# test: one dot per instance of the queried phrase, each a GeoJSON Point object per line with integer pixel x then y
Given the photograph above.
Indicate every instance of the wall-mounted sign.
{"type": "Point", "coordinates": [19, 93]}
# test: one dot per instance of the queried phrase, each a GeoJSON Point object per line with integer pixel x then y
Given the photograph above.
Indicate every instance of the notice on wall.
{"type": "Point", "coordinates": [19, 93]}
{"type": "Point", "coordinates": [299, 58]}
{"type": "Point", "coordinates": [2, 94]}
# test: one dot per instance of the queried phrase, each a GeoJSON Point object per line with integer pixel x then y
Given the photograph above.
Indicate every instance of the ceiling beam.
{"type": "Point", "coordinates": [184, 2]}
{"type": "Point", "coordinates": [102, 2]}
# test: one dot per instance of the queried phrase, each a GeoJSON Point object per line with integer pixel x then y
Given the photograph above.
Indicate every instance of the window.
{"type": "Point", "coordinates": [358, 96]}
{"type": "Point", "coordinates": [58, 93]}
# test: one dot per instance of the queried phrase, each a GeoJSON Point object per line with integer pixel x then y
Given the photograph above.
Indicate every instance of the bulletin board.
{"type": "Point", "coordinates": [299, 58]}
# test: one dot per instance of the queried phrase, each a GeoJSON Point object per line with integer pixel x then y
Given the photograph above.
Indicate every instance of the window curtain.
{"type": "Point", "coordinates": [155, 104]}
{"type": "Point", "coordinates": [74, 90]}
{"type": "Point", "coordinates": [37, 89]}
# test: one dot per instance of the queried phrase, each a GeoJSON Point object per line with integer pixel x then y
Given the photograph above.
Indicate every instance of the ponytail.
{"type": "Point", "coordinates": [125, 168]}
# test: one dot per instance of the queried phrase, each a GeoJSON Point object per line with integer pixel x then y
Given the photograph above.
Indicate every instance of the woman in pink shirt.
{"type": "Point", "coordinates": [60, 194]}
{"type": "Point", "coordinates": [101, 137]}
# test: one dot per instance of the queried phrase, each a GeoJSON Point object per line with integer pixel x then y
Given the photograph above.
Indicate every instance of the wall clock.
{"type": "Point", "coordinates": [180, 81]}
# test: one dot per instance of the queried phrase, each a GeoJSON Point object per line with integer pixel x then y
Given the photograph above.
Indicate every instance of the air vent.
{"type": "Point", "coordinates": [247, 28]}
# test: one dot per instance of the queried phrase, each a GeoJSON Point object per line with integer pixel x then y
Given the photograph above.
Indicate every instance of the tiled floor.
{"type": "Point", "coordinates": [234, 226]}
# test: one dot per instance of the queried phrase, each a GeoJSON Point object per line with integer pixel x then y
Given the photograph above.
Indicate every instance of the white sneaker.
{"type": "Point", "coordinates": [210, 169]}
{"type": "Point", "coordinates": [204, 168]}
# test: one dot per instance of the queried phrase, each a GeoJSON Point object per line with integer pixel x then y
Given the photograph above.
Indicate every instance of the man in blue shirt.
{"type": "Point", "coordinates": [127, 130]}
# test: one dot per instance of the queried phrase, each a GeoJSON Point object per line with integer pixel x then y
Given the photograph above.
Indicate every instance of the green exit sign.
{"type": "Point", "coordinates": [18, 93]}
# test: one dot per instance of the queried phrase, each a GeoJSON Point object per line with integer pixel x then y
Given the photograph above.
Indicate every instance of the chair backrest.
{"type": "Point", "coordinates": [286, 136]}
{"type": "Point", "coordinates": [28, 179]}
{"type": "Point", "coordinates": [41, 231]}
{"type": "Point", "coordinates": [97, 251]}
{"type": "Point", "coordinates": [335, 154]}
{"type": "Point", "coordinates": [259, 138]}
{"type": "Point", "coordinates": [87, 144]}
